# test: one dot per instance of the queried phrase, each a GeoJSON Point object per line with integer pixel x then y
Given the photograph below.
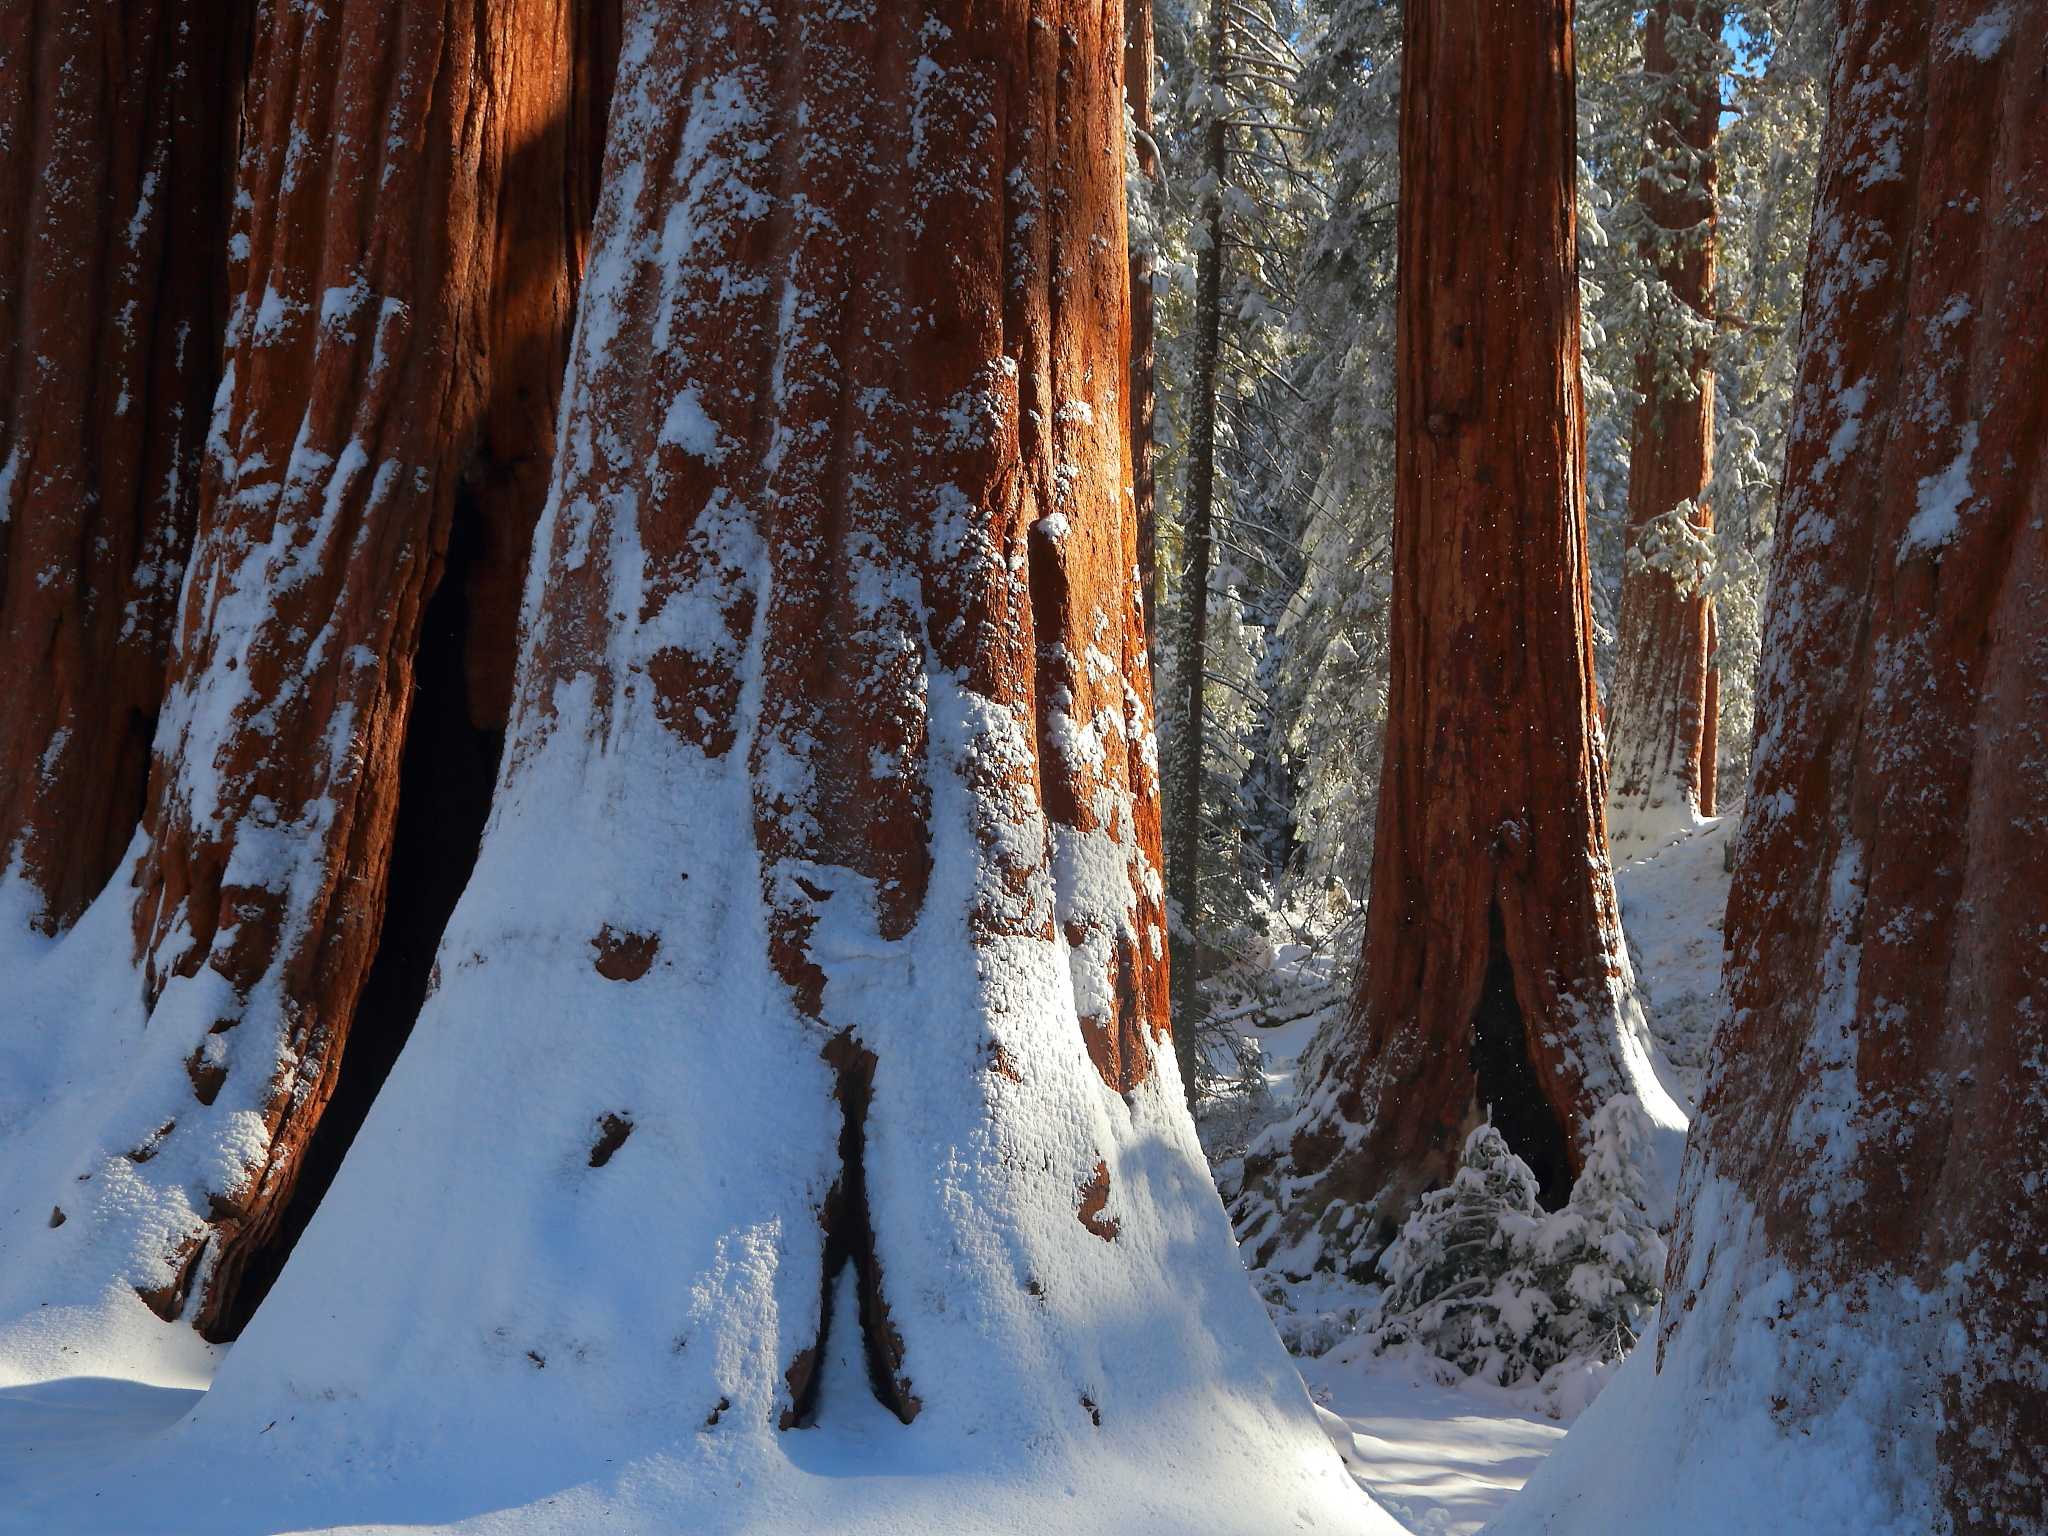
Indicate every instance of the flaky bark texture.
{"type": "Point", "coordinates": [1870, 1152]}
{"type": "Point", "coordinates": [1660, 731]}
{"type": "Point", "coordinates": [934, 439]}
{"type": "Point", "coordinates": [116, 134]}
{"type": "Point", "coordinates": [1493, 978]}
{"type": "Point", "coordinates": [412, 197]}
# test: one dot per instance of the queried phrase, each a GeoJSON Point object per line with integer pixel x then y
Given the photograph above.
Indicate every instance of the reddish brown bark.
{"type": "Point", "coordinates": [890, 452]}
{"type": "Point", "coordinates": [1492, 972]}
{"type": "Point", "coordinates": [116, 124]}
{"type": "Point", "coordinates": [1875, 1098]}
{"type": "Point", "coordinates": [1660, 733]}
{"type": "Point", "coordinates": [402, 299]}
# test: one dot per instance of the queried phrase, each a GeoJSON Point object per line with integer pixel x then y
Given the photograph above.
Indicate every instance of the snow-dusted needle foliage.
{"type": "Point", "coordinates": [1484, 1286]}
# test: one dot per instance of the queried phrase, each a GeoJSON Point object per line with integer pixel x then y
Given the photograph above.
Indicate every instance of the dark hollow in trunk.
{"type": "Point", "coordinates": [446, 773]}
{"type": "Point", "coordinates": [1509, 1092]}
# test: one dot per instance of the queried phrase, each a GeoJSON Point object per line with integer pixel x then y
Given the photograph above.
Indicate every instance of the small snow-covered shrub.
{"type": "Point", "coordinates": [1484, 1287]}
{"type": "Point", "coordinates": [1315, 1315]}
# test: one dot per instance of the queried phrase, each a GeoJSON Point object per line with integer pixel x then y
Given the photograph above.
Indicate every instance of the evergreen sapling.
{"type": "Point", "coordinates": [1485, 1288]}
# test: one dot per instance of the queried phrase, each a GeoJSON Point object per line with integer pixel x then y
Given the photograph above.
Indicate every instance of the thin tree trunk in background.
{"type": "Point", "coordinates": [401, 307]}
{"type": "Point", "coordinates": [1661, 734]}
{"type": "Point", "coordinates": [1144, 391]}
{"type": "Point", "coordinates": [1184, 792]}
{"type": "Point", "coordinates": [116, 138]}
{"type": "Point", "coordinates": [1869, 1147]}
{"type": "Point", "coordinates": [1493, 978]}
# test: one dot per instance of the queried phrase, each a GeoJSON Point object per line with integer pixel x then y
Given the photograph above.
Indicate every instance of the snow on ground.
{"type": "Point", "coordinates": [1444, 1461]}
{"type": "Point", "coordinates": [1441, 1462]}
{"type": "Point", "coordinates": [1672, 902]}
{"type": "Point", "coordinates": [80, 1424]}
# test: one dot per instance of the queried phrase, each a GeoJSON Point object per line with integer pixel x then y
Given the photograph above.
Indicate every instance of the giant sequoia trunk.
{"type": "Point", "coordinates": [1661, 707]}
{"type": "Point", "coordinates": [1493, 982]}
{"type": "Point", "coordinates": [401, 261]}
{"type": "Point", "coordinates": [1854, 1334]}
{"type": "Point", "coordinates": [791, 1113]}
{"type": "Point", "coordinates": [1661, 726]}
{"type": "Point", "coordinates": [116, 143]}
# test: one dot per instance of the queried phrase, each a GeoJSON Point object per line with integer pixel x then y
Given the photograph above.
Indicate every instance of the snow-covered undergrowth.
{"type": "Point", "coordinates": [1484, 1287]}
{"type": "Point", "coordinates": [1441, 1449]}
{"type": "Point", "coordinates": [1264, 1011]}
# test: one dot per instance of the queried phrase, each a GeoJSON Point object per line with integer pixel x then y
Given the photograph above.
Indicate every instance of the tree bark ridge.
{"type": "Point", "coordinates": [114, 124]}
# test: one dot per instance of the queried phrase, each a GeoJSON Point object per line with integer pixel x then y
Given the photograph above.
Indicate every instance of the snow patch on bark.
{"type": "Point", "coordinates": [1942, 498]}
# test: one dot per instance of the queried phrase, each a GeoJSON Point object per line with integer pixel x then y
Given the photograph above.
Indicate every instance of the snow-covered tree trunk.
{"type": "Point", "coordinates": [796, 1062]}
{"type": "Point", "coordinates": [400, 227]}
{"type": "Point", "coordinates": [1853, 1332]}
{"type": "Point", "coordinates": [1494, 980]}
{"type": "Point", "coordinates": [115, 125]}
{"type": "Point", "coordinates": [1661, 733]}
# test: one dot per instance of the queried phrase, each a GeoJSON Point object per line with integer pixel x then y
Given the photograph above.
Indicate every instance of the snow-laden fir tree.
{"type": "Point", "coordinates": [1484, 1285]}
{"type": "Point", "coordinates": [1294, 652]}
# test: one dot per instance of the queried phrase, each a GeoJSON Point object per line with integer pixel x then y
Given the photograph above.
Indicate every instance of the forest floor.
{"type": "Point", "coordinates": [1443, 1461]}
